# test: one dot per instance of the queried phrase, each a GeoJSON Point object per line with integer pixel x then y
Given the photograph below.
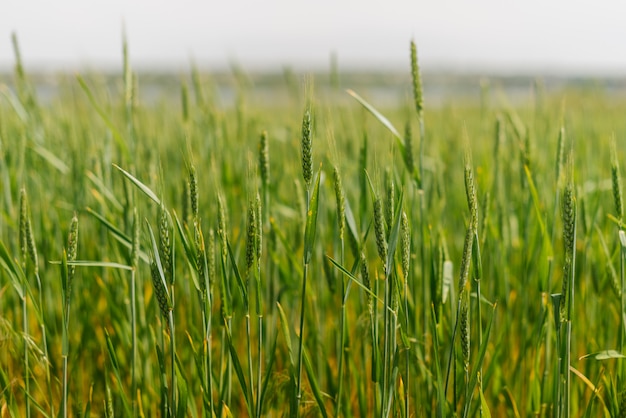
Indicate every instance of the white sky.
{"type": "Point", "coordinates": [465, 35]}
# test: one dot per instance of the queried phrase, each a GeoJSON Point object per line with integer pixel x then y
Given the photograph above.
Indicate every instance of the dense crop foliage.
{"type": "Point", "coordinates": [318, 255]}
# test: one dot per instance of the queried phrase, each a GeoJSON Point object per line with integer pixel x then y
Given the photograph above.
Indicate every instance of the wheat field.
{"type": "Point", "coordinates": [318, 255]}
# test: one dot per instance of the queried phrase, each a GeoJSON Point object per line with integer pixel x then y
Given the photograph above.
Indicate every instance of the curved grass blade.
{"type": "Point", "coordinates": [13, 270]}
{"type": "Point", "coordinates": [183, 393]}
{"type": "Point", "coordinates": [88, 263]}
{"type": "Point", "coordinates": [121, 237]}
{"type": "Point", "coordinates": [284, 325]}
{"type": "Point", "coordinates": [354, 279]}
{"type": "Point", "coordinates": [351, 222]}
{"type": "Point", "coordinates": [190, 252]}
{"type": "Point", "coordinates": [52, 159]}
{"type": "Point", "coordinates": [116, 134]}
{"type": "Point", "coordinates": [239, 371]}
{"type": "Point", "coordinates": [240, 282]}
{"type": "Point", "coordinates": [380, 117]}
{"type": "Point", "coordinates": [603, 355]}
{"type": "Point", "coordinates": [116, 371]}
{"type": "Point", "coordinates": [317, 393]}
{"type": "Point", "coordinates": [37, 406]}
{"type": "Point", "coordinates": [15, 102]}
{"type": "Point", "coordinates": [145, 189]}
{"type": "Point", "coordinates": [537, 205]}
{"type": "Point", "coordinates": [104, 190]}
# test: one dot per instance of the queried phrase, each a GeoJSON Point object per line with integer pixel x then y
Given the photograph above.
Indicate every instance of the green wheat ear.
{"type": "Point", "coordinates": [165, 246]}
{"type": "Point", "coordinates": [470, 190]}
{"type": "Point", "coordinates": [307, 143]}
{"type": "Point", "coordinates": [200, 258]}
{"type": "Point", "coordinates": [416, 77]}
{"type": "Point", "coordinates": [560, 154]}
{"type": "Point", "coordinates": [251, 237]}
{"type": "Point", "coordinates": [341, 202]}
{"type": "Point", "coordinates": [221, 225]}
{"type": "Point", "coordinates": [379, 230]}
{"type": "Point", "coordinates": [193, 192]}
{"type": "Point", "coordinates": [616, 181]}
{"type": "Point", "coordinates": [264, 158]}
{"type": "Point", "coordinates": [408, 148]}
{"type": "Point", "coordinates": [211, 258]}
{"type": "Point", "coordinates": [72, 250]}
{"type": "Point", "coordinates": [465, 328]}
{"type": "Point", "coordinates": [23, 220]}
{"type": "Point", "coordinates": [405, 244]}
{"type": "Point", "coordinates": [568, 213]}
{"type": "Point", "coordinates": [159, 289]}
{"type": "Point", "coordinates": [258, 237]}
{"type": "Point", "coordinates": [365, 275]}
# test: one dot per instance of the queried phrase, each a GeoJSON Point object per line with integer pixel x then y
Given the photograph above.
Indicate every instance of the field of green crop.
{"type": "Point", "coordinates": [318, 255]}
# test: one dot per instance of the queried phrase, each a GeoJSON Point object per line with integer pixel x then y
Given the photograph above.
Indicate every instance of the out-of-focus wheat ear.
{"type": "Point", "coordinates": [211, 260]}
{"type": "Point", "coordinates": [408, 148]}
{"type": "Point", "coordinates": [221, 225]}
{"type": "Point", "coordinates": [31, 247]}
{"type": "Point", "coordinates": [390, 201]}
{"type": "Point", "coordinates": [128, 75]}
{"type": "Point", "coordinates": [264, 159]}
{"type": "Point", "coordinates": [72, 250]}
{"type": "Point", "coordinates": [416, 77]}
{"type": "Point", "coordinates": [19, 69]}
{"type": "Point", "coordinates": [500, 136]}
{"type": "Point", "coordinates": [569, 244]}
{"type": "Point", "coordinates": [341, 202]}
{"type": "Point", "coordinates": [465, 328]}
{"type": "Point", "coordinates": [526, 149]}
{"type": "Point", "coordinates": [200, 258]}
{"type": "Point", "coordinates": [379, 230]}
{"type": "Point", "coordinates": [165, 244]}
{"type": "Point", "coordinates": [616, 180]}
{"type": "Point", "coordinates": [134, 253]}
{"type": "Point", "coordinates": [560, 155]}
{"type": "Point", "coordinates": [251, 237]}
{"type": "Point", "coordinates": [258, 237]}
{"type": "Point", "coordinates": [365, 275]}
{"type": "Point", "coordinates": [466, 258]}
{"type": "Point", "coordinates": [193, 192]}
{"type": "Point", "coordinates": [184, 99]}
{"type": "Point", "coordinates": [470, 190]}
{"type": "Point", "coordinates": [159, 289]}
{"type": "Point", "coordinates": [405, 235]}
{"type": "Point", "coordinates": [307, 145]}
{"type": "Point", "coordinates": [185, 198]}
{"type": "Point", "coordinates": [23, 221]}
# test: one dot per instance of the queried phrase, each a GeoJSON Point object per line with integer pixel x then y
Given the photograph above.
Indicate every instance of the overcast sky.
{"type": "Point", "coordinates": [470, 35]}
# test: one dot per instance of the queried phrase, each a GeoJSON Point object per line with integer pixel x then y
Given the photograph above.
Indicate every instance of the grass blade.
{"type": "Point", "coordinates": [317, 394]}
{"type": "Point", "coordinates": [382, 119]}
{"type": "Point", "coordinates": [145, 189]}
